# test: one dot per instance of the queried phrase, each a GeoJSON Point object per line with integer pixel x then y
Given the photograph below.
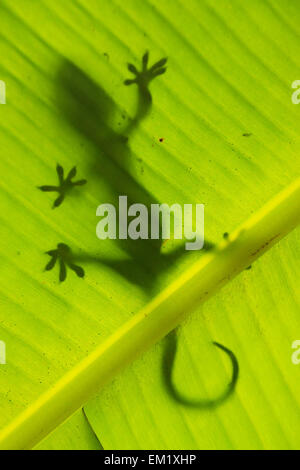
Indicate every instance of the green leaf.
{"type": "Point", "coordinates": [138, 411]}
{"type": "Point", "coordinates": [218, 127]}
{"type": "Point", "coordinates": [74, 434]}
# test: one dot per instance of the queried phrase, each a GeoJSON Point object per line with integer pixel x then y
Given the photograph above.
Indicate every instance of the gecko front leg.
{"type": "Point", "coordinates": [142, 79]}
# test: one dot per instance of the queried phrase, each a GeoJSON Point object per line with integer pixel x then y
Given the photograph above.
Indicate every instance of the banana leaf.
{"type": "Point", "coordinates": [214, 124]}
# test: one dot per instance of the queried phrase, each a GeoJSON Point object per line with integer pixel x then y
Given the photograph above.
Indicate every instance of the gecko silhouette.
{"type": "Point", "coordinates": [89, 109]}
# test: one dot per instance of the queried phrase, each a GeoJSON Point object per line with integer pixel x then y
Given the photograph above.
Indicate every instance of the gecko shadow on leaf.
{"type": "Point", "coordinates": [170, 351]}
{"type": "Point", "coordinates": [89, 109]}
{"type": "Point", "coordinates": [136, 274]}
{"type": "Point", "coordinates": [65, 185]}
{"type": "Point", "coordinates": [65, 258]}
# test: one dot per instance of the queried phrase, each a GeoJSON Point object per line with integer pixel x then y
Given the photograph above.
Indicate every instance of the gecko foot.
{"type": "Point", "coordinates": [146, 75]}
{"type": "Point", "coordinates": [65, 185]}
{"type": "Point", "coordinates": [65, 258]}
